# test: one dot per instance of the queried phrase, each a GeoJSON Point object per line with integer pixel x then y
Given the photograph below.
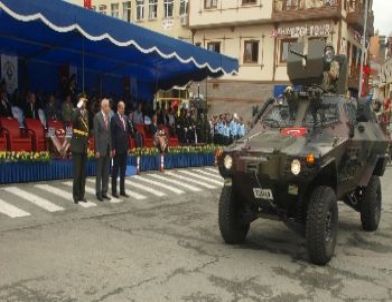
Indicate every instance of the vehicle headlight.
{"type": "Point", "coordinates": [296, 167]}
{"type": "Point", "coordinates": [228, 162]}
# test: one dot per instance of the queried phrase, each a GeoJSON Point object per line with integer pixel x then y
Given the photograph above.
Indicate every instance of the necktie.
{"type": "Point", "coordinates": [123, 122]}
{"type": "Point", "coordinates": [105, 118]}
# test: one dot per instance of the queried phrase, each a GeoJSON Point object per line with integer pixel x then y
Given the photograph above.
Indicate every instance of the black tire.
{"type": "Point", "coordinates": [231, 223]}
{"type": "Point", "coordinates": [371, 205]}
{"type": "Point", "coordinates": [322, 225]}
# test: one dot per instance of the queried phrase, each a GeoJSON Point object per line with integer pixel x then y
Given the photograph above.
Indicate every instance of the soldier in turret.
{"type": "Point", "coordinates": [331, 70]}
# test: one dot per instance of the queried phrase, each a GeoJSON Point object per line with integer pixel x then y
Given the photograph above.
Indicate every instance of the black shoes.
{"type": "Point", "coordinates": [115, 195]}
{"type": "Point", "coordinates": [76, 201]}
{"type": "Point", "coordinates": [124, 194]}
{"type": "Point", "coordinates": [83, 200]}
{"type": "Point", "coordinates": [99, 197]}
{"type": "Point", "coordinates": [106, 197]}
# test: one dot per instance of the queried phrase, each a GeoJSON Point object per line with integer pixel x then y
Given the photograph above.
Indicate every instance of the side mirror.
{"type": "Point", "coordinates": [351, 127]}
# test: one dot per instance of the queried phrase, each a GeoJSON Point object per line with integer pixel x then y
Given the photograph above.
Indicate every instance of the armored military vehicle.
{"type": "Point", "coordinates": [306, 151]}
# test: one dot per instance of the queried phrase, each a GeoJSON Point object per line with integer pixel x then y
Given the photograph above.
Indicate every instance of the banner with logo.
{"type": "Point", "coordinates": [9, 72]}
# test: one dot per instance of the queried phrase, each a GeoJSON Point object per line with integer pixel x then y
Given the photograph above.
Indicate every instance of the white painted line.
{"type": "Point", "coordinates": [204, 178]}
{"type": "Point", "coordinates": [34, 199]}
{"type": "Point", "coordinates": [91, 191]}
{"type": "Point", "coordinates": [64, 194]}
{"type": "Point", "coordinates": [214, 170]}
{"type": "Point", "coordinates": [158, 184]}
{"type": "Point", "coordinates": [187, 179]}
{"type": "Point", "coordinates": [131, 194]}
{"type": "Point", "coordinates": [216, 176]}
{"type": "Point", "coordinates": [175, 182]}
{"type": "Point", "coordinates": [144, 188]}
{"type": "Point", "coordinates": [11, 211]}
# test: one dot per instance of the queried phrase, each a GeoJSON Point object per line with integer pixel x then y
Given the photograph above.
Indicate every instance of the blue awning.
{"type": "Point", "coordinates": [61, 33]}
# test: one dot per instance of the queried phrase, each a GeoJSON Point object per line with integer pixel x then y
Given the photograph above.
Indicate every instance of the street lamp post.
{"type": "Point", "coordinates": [363, 54]}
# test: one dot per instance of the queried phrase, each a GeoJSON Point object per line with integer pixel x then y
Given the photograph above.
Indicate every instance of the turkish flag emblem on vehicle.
{"type": "Point", "coordinates": [294, 131]}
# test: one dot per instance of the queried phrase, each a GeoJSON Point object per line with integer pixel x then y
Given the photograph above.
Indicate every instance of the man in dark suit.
{"type": "Point", "coordinates": [31, 109]}
{"type": "Point", "coordinates": [5, 106]}
{"type": "Point", "coordinates": [79, 144]}
{"type": "Point", "coordinates": [103, 149]}
{"type": "Point", "coordinates": [120, 136]}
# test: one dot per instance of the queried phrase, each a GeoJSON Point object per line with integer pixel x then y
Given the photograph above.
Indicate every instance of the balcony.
{"type": "Point", "coordinates": [300, 10]}
{"type": "Point", "coordinates": [355, 17]}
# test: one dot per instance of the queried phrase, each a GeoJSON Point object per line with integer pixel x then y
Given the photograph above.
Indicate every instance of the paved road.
{"type": "Point", "coordinates": [163, 244]}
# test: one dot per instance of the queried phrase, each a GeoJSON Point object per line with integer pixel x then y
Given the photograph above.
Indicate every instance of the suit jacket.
{"type": "Point", "coordinates": [79, 142]}
{"type": "Point", "coordinates": [31, 112]}
{"type": "Point", "coordinates": [102, 134]}
{"type": "Point", "coordinates": [120, 134]}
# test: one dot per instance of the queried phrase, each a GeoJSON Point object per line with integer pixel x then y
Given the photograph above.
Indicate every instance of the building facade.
{"type": "Point", "coordinates": [256, 32]}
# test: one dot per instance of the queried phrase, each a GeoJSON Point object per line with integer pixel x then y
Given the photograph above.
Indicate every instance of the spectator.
{"type": "Point", "coordinates": [67, 110]}
{"type": "Point", "coordinates": [137, 116]}
{"type": "Point", "coordinates": [5, 106]}
{"type": "Point", "coordinates": [51, 108]}
{"type": "Point", "coordinates": [31, 109]}
{"type": "Point", "coordinates": [160, 136]}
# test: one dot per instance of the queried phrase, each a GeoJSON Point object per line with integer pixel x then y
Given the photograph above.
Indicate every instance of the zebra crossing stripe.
{"type": "Point", "coordinates": [11, 211]}
{"type": "Point", "coordinates": [34, 199]}
{"type": "Point", "coordinates": [216, 176]}
{"type": "Point", "coordinates": [134, 195]}
{"type": "Point", "coordinates": [91, 191]}
{"type": "Point", "coordinates": [63, 193]}
{"type": "Point", "coordinates": [204, 178]}
{"type": "Point", "coordinates": [184, 178]}
{"type": "Point", "coordinates": [159, 184]}
{"type": "Point", "coordinates": [213, 170]}
{"type": "Point", "coordinates": [175, 182]}
{"type": "Point", "coordinates": [144, 188]}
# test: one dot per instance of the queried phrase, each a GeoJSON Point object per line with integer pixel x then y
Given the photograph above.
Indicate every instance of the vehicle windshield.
{"type": "Point", "coordinates": [282, 116]}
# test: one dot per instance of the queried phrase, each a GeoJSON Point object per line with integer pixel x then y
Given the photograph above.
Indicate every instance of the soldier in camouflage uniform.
{"type": "Point", "coordinates": [331, 71]}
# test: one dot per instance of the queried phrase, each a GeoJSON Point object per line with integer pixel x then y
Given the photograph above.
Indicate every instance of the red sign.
{"type": "Point", "coordinates": [88, 4]}
{"type": "Point", "coordinates": [294, 132]}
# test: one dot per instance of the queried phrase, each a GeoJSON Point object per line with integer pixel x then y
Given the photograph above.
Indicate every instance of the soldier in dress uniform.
{"type": "Point", "coordinates": [79, 143]}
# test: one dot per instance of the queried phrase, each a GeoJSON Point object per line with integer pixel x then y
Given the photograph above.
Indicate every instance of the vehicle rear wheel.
{"type": "Point", "coordinates": [231, 223]}
{"type": "Point", "coordinates": [371, 205]}
{"type": "Point", "coordinates": [322, 225]}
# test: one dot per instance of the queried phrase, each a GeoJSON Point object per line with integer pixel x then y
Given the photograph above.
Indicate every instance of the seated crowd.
{"type": "Point", "coordinates": [159, 127]}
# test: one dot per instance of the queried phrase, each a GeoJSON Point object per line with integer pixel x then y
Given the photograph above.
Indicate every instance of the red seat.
{"type": "Point", "coordinates": [55, 124]}
{"type": "Point", "coordinates": [16, 140]}
{"type": "Point", "coordinates": [91, 143]}
{"type": "Point", "coordinates": [131, 143]}
{"type": "Point", "coordinates": [38, 134]}
{"type": "Point", "coordinates": [148, 141]}
{"type": "Point", "coordinates": [3, 142]}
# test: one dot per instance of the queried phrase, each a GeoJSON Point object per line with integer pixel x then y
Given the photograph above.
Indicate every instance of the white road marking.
{"type": "Point", "coordinates": [158, 184]}
{"type": "Point", "coordinates": [204, 178]}
{"type": "Point", "coordinates": [34, 199]}
{"type": "Point", "coordinates": [176, 182]}
{"type": "Point", "coordinates": [91, 191]}
{"type": "Point", "coordinates": [65, 194]}
{"type": "Point", "coordinates": [131, 194]}
{"type": "Point", "coordinates": [144, 188]}
{"type": "Point", "coordinates": [184, 178]}
{"type": "Point", "coordinates": [214, 170]}
{"type": "Point", "coordinates": [216, 176]}
{"type": "Point", "coordinates": [11, 211]}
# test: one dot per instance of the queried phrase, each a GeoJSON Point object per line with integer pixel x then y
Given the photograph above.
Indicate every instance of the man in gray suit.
{"type": "Point", "coordinates": [103, 150]}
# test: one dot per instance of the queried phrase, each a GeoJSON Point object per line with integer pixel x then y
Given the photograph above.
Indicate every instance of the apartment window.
{"type": "Point", "coordinates": [102, 9]}
{"type": "Point", "coordinates": [139, 10]}
{"type": "Point", "coordinates": [251, 51]}
{"type": "Point", "coordinates": [284, 49]}
{"type": "Point", "coordinates": [127, 11]}
{"type": "Point", "coordinates": [153, 9]}
{"type": "Point", "coordinates": [115, 10]}
{"type": "Point", "coordinates": [249, 2]}
{"type": "Point", "coordinates": [210, 3]}
{"type": "Point", "coordinates": [183, 7]}
{"type": "Point", "coordinates": [168, 6]}
{"type": "Point", "coordinates": [214, 46]}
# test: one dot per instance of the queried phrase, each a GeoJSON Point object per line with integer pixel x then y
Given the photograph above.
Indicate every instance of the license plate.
{"type": "Point", "coordinates": [263, 193]}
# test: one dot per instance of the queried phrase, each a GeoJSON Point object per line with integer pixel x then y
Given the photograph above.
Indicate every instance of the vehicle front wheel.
{"type": "Point", "coordinates": [371, 205]}
{"type": "Point", "coordinates": [231, 223]}
{"type": "Point", "coordinates": [322, 225]}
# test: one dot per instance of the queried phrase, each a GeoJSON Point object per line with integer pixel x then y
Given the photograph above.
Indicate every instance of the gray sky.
{"type": "Point", "coordinates": [383, 18]}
